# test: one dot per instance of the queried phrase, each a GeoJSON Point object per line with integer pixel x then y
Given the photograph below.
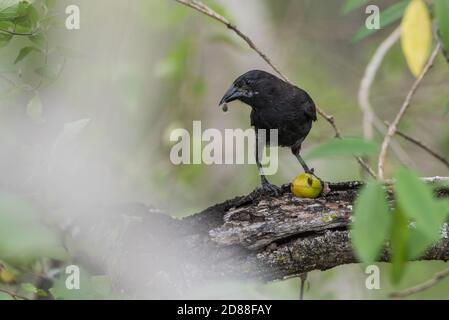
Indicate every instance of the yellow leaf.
{"type": "Point", "coordinates": [416, 35]}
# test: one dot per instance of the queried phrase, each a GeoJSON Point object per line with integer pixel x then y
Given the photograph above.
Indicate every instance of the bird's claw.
{"type": "Point", "coordinates": [310, 171]}
{"type": "Point", "coordinates": [269, 189]}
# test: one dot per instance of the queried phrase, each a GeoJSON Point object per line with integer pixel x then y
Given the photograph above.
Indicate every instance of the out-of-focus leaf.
{"type": "Point", "coordinates": [37, 39]}
{"type": "Point", "coordinates": [446, 109]}
{"type": "Point", "coordinates": [343, 147]}
{"type": "Point", "coordinates": [28, 287]}
{"type": "Point", "coordinates": [441, 8]}
{"type": "Point", "coordinates": [416, 35]}
{"type": "Point", "coordinates": [173, 65]}
{"type": "Point", "coordinates": [12, 9]}
{"type": "Point", "coordinates": [352, 4]}
{"type": "Point", "coordinates": [71, 131]}
{"type": "Point", "coordinates": [29, 20]}
{"type": "Point", "coordinates": [34, 108]}
{"type": "Point", "coordinates": [218, 8]}
{"type": "Point", "coordinates": [24, 52]}
{"type": "Point", "coordinates": [50, 72]}
{"type": "Point", "coordinates": [387, 17]}
{"type": "Point", "coordinates": [4, 39]}
{"type": "Point", "coordinates": [417, 202]}
{"type": "Point", "coordinates": [23, 237]}
{"type": "Point", "coordinates": [226, 39]}
{"type": "Point", "coordinates": [199, 87]}
{"type": "Point", "coordinates": [368, 240]}
{"type": "Point", "coordinates": [399, 245]}
{"type": "Point", "coordinates": [5, 296]}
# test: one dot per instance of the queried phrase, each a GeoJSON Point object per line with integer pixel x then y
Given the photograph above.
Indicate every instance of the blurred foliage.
{"type": "Point", "coordinates": [153, 66]}
{"type": "Point", "coordinates": [415, 205]}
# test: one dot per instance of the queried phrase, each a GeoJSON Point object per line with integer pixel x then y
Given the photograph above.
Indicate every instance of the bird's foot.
{"type": "Point", "coordinates": [269, 189]}
{"type": "Point", "coordinates": [310, 171]}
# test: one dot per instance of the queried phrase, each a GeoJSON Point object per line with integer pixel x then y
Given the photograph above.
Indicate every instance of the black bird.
{"type": "Point", "coordinates": [275, 104]}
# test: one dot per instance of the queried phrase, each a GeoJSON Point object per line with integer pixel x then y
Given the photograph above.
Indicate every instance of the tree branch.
{"type": "Point", "coordinates": [369, 117]}
{"type": "Point", "coordinates": [423, 286]}
{"type": "Point", "coordinates": [14, 33]}
{"type": "Point", "coordinates": [202, 8]}
{"type": "Point", "coordinates": [246, 238]}
{"type": "Point", "coordinates": [393, 127]}
{"type": "Point", "coordinates": [423, 146]}
{"type": "Point", "coordinates": [14, 295]}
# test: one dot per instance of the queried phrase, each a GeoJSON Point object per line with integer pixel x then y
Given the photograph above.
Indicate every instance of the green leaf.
{"type": "Point", "coordinates": [352, 4]}
{"type": "Point", "coordinates": [418, 203]}
{"type": "Point", "coordinates": [343, 147]}
{"type": "Point", "coordinates": [446, 109]}
{"type": "Point", "coordinates": [28, 287]}
{"type": "Point", "coordinates": [441, 8]}
{"type": "Point", "coordinates": [34, 108]}
{"type": "Point", "coordinates": [387, 17]}
{"type": "Point", "coordinates": [28, 21]}
{"type": "Point", "coordinates": [24, 52]}
{"type": "Point", "coordinates": [12, 9]}
{"type": "Point", "coordinates": [368, 240]}
{"type": "Point", "coordinates": [41, 293]}
{"type": "Point", "coordinates": [399, 245]}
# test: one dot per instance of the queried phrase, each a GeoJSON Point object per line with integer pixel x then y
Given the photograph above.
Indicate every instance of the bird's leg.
{"type": "Point", "coordinates": [295, 151]}
{"type": "Point", "coordinates": [303, 164]}
{"type": "Point", "coordinates": [266, 186]}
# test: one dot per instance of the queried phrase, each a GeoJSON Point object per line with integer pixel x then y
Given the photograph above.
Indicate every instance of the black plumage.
{"type": "Point", "coordinates": [275, 104]}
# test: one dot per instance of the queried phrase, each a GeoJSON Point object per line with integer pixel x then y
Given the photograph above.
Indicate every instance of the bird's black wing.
{"type": "Point", "coordinates": [310, 110]}
{"type": "Point", "coordinates": [306, 104]}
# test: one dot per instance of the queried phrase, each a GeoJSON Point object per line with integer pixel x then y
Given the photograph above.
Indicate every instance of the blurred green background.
{"type": "Point", "coordinates": [138, 69]}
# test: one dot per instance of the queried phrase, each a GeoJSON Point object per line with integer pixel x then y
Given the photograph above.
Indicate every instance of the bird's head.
{"type": "Point", "coordinates": [251, 87]}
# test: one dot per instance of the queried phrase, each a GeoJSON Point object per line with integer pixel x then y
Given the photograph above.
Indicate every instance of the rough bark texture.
{"type": "Point", "coordinates": [250, 237]}
{"type": "Point", "coordinates": [274, 238]}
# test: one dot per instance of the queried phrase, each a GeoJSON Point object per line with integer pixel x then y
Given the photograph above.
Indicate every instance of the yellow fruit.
{"type": "Point", "coordinates": [306, 186]}
{"type": "Point", "coordinates": [7, 276]}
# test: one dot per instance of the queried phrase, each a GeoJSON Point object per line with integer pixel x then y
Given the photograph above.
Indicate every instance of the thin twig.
{"type": "Point", "coordinates": [393, 127]}
{"type": "Point", "coordinates": [422, 145]}
{"type": "Point", "coordinates": [202, 8]}
{"type": "Point", "coordinates": [423, 286]}
{"type": "Point", "coordinates": [369, 117]}
{"type": "Point", "coordinates": [14, 33]}
{"type": "Point", "coordinates": [302, 279]}
{"type": "Point", "coordinates": [14, 295]}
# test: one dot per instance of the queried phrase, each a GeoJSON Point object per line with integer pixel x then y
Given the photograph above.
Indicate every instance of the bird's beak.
{"type": "Point", "coordinates": [232, 94]}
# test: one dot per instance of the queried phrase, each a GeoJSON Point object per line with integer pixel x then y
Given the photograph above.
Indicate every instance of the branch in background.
{"type": "Point", "coordinates": [14, 33]}
{"type": "Point", "coordinates": [369, 117]}
{"type": "Point", "coordinates": [423, 286]}
{"type": "Point", "coordinates": [202, 8]}
{"type": "Point", "coordinates": [443, 49]}
{"type": "Point", "coordinates": [15, 296]}
{"type": "Point", "coordinates": [422, 146]}
{"type": "Point", "coordinates": [393, 127]}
